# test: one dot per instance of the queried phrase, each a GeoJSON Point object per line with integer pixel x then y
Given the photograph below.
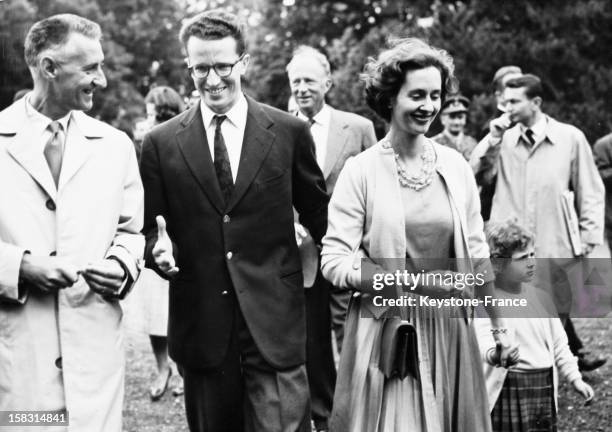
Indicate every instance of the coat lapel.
{"type": "Point", "coordinates": [255, 146]}
{"type": "Point", "coordinates": [193, 145]}
{"type": "Point", "coordinates": [25, 147]}
{"type": "Point", "coordinates": [336, 141]}
{"type": "Point", "coordinates": [83, 132]}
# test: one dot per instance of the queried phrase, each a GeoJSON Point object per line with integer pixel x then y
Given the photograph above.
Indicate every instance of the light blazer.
{"type": "Point", "coordinates": [96, 212]}
{"type": "Point", "coordinates": [262, 274]}
{"type": "Point", "coordinates": [349, 134]}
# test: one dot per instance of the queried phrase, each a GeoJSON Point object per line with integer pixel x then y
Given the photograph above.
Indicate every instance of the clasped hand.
{"type": "Point", "coordinates": [52, 273]}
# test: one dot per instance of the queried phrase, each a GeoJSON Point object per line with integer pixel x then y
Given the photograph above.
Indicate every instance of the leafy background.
{"type": "Point", "coordinates": [567, 43]}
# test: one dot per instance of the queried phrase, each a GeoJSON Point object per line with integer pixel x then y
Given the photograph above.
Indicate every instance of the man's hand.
{"type": "Point", "coordinates": [104, 277]}
{"type": "Point", "coordinates": [48, 273]}
{"type": "Point", "coordinates": [162, 251]}
{"type": "Point", "coordinates": [300, 233]}
{"type": "Point", "coordinates": [498, 126]}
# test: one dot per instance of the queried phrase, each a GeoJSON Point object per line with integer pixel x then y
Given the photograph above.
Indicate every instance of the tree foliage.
{"type": "Point", "coordinates": [565, 42]}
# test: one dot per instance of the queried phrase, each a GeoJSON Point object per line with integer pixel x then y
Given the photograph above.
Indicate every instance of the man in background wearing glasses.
{"type": "Point", "coordinates": [220, 183]}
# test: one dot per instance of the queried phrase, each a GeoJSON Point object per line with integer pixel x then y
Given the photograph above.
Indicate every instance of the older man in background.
{"type": "Point", "coordinates": [453, 116]}
{"type": "Point", "coordinates": [338, 135]}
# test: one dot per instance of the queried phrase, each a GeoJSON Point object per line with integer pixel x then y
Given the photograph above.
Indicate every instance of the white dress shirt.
{"type": "Point", "coordinates": [538, 129]}
{"type": "Point", "coordinates": [40, 123]}
{"type": "Point", "coordinates": [232, 129]}
{"type": "Point", "coordinates": [320, 132]}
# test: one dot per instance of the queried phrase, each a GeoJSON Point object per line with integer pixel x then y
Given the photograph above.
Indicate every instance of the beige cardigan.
{"type": "Point", "coordinates": [366, 217]}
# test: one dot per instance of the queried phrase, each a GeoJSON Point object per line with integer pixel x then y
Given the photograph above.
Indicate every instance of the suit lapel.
{"type": "Point", "coordinates": [255, 146]}
{"type": "Point", "coordinates": [193, 145]}
{"type": "Point", "coordinates": [336, 141]}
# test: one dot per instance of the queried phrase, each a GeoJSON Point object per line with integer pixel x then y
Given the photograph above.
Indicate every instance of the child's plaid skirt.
{"type": "Point", "coordinates": [526, 403]}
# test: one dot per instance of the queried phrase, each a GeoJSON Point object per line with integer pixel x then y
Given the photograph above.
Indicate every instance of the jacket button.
{"type": "Point", "coordinates": [226, 219]}
{"type": "Point", "coordinates": [224, 293]}
{"type": "Point", "coordinates": [50, 204]}
{"type": "Point", "coordinates": [58, 362]}
{"type": "Point", "coordinates": [54, 253]}
{"type": "Point", "coordinates": [229, 255]}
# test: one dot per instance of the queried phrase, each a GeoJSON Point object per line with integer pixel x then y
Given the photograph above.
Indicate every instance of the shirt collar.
{"type": "Point", "coordinates": [323, 117]}
{"type": "Point", "coordinates": [37, 116]}
{"type": "Point", "coordinates": [538, 128]}
{"type": "Point", "coordinates": [237, 115]}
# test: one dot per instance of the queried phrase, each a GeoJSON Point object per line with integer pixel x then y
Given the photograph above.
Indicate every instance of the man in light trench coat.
{"type": "Point", "coordinates": [70, 216]}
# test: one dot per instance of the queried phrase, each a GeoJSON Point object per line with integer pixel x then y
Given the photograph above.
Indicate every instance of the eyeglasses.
{"type": "Point", "coordinates": [221, 69]}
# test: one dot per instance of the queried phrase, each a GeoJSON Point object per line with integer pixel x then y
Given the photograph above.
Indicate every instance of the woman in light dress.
{"type": "Point", "coordinates": [404, 199]}
{"type": "Point", "coordinates": [162, 103]}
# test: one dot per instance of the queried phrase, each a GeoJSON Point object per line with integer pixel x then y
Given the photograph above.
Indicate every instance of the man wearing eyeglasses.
{"type": "Point", "coordinates": [220, 183]}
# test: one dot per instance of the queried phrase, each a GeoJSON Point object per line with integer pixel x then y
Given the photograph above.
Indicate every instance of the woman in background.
{"type": "Point", "coordinates": [162, 103]}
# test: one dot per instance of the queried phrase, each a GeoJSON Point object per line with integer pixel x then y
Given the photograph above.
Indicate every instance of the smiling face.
{"type": "Point", "coordinates": [418, 101]}
{"type": "Point", "coordinates": [309, 83]}
{"type": "Point", "coordinates": [76, 70]}
{"type": "Point", "coordinates": [218, 93]}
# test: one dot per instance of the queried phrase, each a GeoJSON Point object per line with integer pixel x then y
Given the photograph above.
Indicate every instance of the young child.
{"type": "Point", "coordinates": [523, 397]}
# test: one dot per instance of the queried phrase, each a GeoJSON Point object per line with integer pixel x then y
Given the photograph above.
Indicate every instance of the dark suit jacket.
{"type": "Point", "coordinates": [277, 170]}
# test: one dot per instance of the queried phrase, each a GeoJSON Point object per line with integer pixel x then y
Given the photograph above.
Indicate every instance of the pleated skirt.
{"type": "Point", "coordinates": [449, 397]}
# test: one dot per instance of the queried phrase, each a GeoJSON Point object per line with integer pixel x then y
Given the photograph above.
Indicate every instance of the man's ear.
{"type": "Point", "coordinates": [537, 101]}
{"type": "Point", "coordinates": [246, 59]}
{"type": "Point", "coordinates": [48, 68]}
{"type": "Point", "coordinates": [328, 84]}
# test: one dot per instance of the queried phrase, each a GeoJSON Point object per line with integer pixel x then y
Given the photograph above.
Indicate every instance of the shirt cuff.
{"type": "Point", "coordinates": [129, 265]}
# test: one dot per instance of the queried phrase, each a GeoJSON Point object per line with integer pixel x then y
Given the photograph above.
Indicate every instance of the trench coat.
{"type": "Point", "coordinates": [65, 350]}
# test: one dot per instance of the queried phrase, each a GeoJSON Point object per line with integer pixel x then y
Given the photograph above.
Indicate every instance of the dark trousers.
{"type": "Point", "coordinates": [339, 301]}
{"type": "Point", "coordinates": [319, 353]}
{"type": "Point", "coordinates": [574, 342]}
{"type": "Point", "coordinates": [245, 393]}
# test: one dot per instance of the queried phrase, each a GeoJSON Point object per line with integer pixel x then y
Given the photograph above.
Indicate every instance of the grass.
{"type": "Point", "coordinates": [167, 414]}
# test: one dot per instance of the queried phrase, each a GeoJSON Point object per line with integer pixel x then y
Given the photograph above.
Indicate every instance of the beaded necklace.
{"type": "Point", "coordinates": [426, 173]}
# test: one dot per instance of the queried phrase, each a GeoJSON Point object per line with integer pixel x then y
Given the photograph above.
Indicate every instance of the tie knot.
{"type": "Point", "coordinates": [530, 135]}
{"type": "Point", "coordinates": [218, 119]}
{"type": "Point", "coordinates": [55, 127]}
{"type": "Point", "coordinates": [311, 120]}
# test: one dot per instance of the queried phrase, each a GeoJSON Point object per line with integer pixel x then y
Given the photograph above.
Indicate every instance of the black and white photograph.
{"type": "Point", "coordinates": [305, 216]}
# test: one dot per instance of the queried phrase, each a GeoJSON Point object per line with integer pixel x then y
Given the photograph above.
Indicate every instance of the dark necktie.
{"type": "Point", "coordinates": [54, 150]}
{"type": "Point", "coordinates": [312, 121]}
{"type": "Point", "coordinates": [529, 135]}
{"type": "Point", "coordinates": [223, 169]}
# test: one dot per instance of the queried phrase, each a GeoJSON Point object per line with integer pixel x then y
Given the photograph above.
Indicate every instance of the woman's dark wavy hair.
{"type": "Point", "coordinates": [385, 75]}
{"type": "Point", "coordinates": [168, 103]}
